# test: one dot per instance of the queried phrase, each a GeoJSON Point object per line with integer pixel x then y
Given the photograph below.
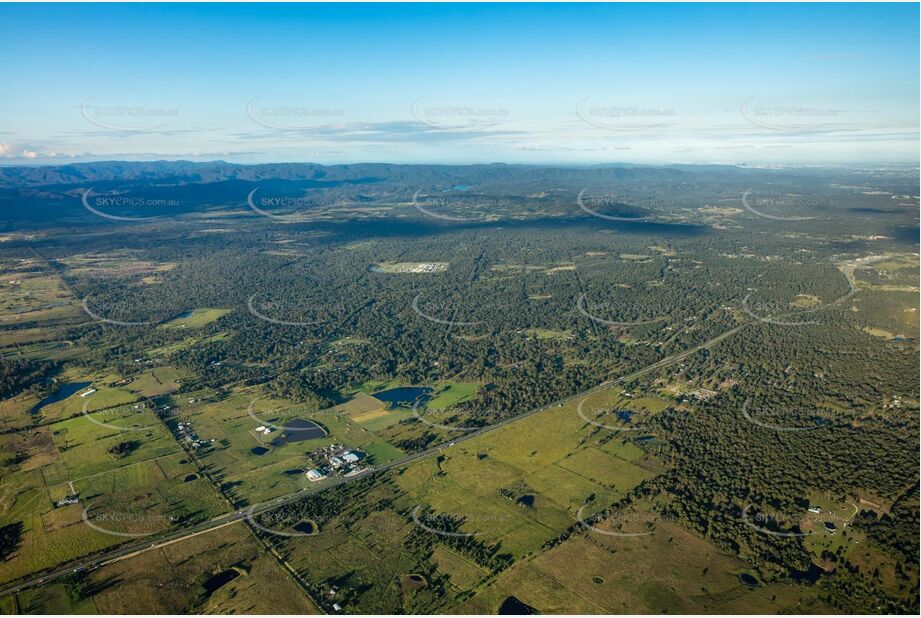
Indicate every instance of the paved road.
{"type": "Point", "coordinates": [167, 538]}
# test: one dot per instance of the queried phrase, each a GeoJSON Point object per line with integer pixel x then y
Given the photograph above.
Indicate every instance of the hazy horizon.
{"type": "Point", "coordinates": [532, 84]}
{"type": "Point", "coordinates": [561, 164]}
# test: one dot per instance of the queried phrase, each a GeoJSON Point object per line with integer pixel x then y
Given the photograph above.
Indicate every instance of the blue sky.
{"type": "Point", "coordinates": [425, 83]}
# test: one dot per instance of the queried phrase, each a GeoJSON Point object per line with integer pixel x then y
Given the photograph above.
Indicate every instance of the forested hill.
{"type": "Point", "coordinates": [179, 172]}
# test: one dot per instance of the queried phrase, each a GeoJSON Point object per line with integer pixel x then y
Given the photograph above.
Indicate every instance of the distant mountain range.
{"type": "Point", "coordinates": [51, 195]}
{"type": "Point", "coordinates": [54, 193]}
{"type": "Point", "coordinates": [185, 172]}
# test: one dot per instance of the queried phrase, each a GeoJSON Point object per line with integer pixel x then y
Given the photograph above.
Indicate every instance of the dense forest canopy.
{"type": "Point", "coordinates": [759, 364]}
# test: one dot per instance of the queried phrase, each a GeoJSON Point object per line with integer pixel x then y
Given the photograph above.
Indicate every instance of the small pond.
{"type": "Point", "coordinates": [63, 392]}
{"type": "Point", "coordinates": [749, 580]}
{"type": "Point", "coordinates": [298, 430]}
{"type": "Point", "coordinates": [404, 395]}
{"type": "Point", "coordinates": [305, 526]}
{"type": "Point", "coordinates": [512, 606]}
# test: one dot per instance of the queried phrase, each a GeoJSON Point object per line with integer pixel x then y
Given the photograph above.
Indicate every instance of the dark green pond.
{"type": "Point", "coordinates": [748, 580]}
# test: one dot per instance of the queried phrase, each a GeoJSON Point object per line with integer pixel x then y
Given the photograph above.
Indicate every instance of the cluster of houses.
{"type": "Point", "coordinates": [331, 592]}
{"type": "Point", "coordinates": [425, 267]}
{"type": "Point", "coordinates": [700, 394]}
{"type": "Point", "coordinates": [334, 459]}
{"type": "Point", "coordinates": [186, 434]}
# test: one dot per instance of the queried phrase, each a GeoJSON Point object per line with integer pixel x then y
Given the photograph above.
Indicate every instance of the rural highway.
{"type": "Point", "coordinates": [167, 538]}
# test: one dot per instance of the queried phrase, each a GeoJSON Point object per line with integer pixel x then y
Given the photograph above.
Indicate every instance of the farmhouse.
{"type": "Point", "coordinates": [71, 499]}
{"type": "Point", "coordinates": [187, 435]}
